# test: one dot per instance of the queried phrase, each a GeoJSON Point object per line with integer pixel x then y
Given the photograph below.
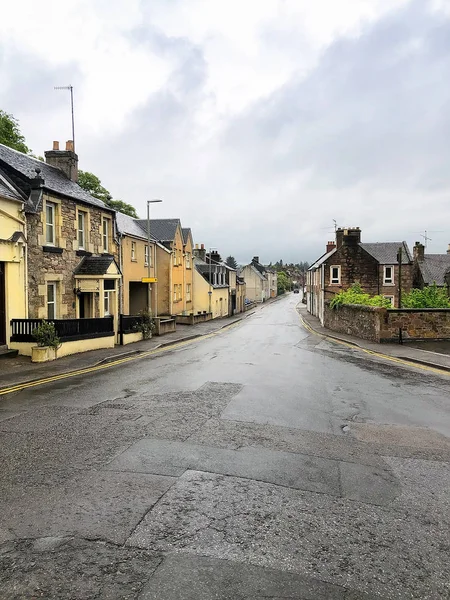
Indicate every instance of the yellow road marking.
{"type": "Point", "coordinates": [22, 386]}
{"type": "Point", "coordinates": [394, 359]}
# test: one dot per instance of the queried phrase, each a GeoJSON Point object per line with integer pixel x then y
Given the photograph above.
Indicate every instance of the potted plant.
{"type": "Point", "coordinates": [47, 342]}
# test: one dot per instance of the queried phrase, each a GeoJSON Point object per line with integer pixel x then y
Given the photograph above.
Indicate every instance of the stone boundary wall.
{"type": "Point", "coordinates": [384, 325]}
{"type": "Point", "coordinates": [354, 319]}
{"type": "Point", "coordinates": [193, 319]}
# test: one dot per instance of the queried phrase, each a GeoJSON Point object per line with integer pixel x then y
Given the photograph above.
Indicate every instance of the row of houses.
{"type": "Point", "coordinates": [67, 256]}
{"type": "Point", "coordinates": [384, 268]}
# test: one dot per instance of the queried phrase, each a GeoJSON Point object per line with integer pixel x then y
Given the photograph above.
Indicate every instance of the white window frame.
{"type": "Point", "coordinates": [188, 260]}
{"type": "Point", "coordinates": [133, 251]}
{"type": "Point", "coordinates": [50, 206]}
{"type": "Point", "coordinates": [107, 302]}
{"type": "Point", "coordinates": [52, 285]}
{"type": "Point", "coordinates": [335, 280]}
{"type": "Point", "coordinates": [81, 234]}
{"type": "Point", "coordinates": [146, 255]}
{"type": "Point", "coordinates": [188, 292]}
{"type": "Point", "coordinates": [105, 234]}
{"type": "Point", "coordinates": [388, 280]}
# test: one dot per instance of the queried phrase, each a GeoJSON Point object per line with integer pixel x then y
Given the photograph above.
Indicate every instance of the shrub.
{"type": "Point", "coordinates": [45, 335]}
{"type": "Point", "coordinates": [355, 295]}
{"type": "Point", "coordinates": [146, 324]}
{"type": "Point", "coordinates": [429, 297]}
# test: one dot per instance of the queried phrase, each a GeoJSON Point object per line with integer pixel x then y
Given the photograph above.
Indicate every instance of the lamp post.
{"type": "Point", "coordinates": [149, 302]}
{"type": "Point", "coordinates": [210, 280]}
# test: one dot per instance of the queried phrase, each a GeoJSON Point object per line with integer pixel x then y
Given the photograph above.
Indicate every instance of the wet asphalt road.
{"type": "Point", "coordinates": [263, 462]}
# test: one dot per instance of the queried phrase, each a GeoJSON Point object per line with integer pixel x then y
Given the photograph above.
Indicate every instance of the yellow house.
{"type": "Point", "coordinates": [134, 265]}
{"type": "Point", "coordinates": [175, 289]}
{"type": "Point", "coordinates": [212, 291]}
{"type": "Point", "coordinates": [13, 300]}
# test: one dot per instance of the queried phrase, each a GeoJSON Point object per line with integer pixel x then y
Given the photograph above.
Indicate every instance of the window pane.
{"type": "Point", "coordinates": [50, 214]}
{"type": "Point", "coordinates": [51, 301]}
{"type": "Point", "coordinates": [49, 234]}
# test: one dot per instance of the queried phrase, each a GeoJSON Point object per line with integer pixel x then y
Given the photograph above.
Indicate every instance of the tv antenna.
{"type": "Point", "coordinates": [427, 239]}
{"type": "Point", "coordinates": [70, 88]}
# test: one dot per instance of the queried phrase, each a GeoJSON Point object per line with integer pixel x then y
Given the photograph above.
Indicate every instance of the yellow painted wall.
{"type": "Point", "coordinates": [68, 348]}
{"type": "Point", "coordinates": [134, 270]}
{"type": "Point", "coordinates": [188, 306]}
{"type": "Point", "coordinates": [164, 275]}
{"type": "Point", "coordinates": [13, 256]}
{"type": "Point", "coordinates": [178, 273]}
{"type": "Point", "coordinates": [201, 298]}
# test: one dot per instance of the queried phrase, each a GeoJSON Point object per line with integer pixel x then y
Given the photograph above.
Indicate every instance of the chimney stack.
{"type": "Point", "coordinates": [330, 246]}
{"type": "Point", "coordinates": [255, 259]}
{"type": "Point", "coordinates": [200, 252]}
{"type": "Point", "coordinates": [65, 160]}
{"type": "Point", "coordinates": [418, 251]}
{"type": "Point", "coordinates": [448, 249]}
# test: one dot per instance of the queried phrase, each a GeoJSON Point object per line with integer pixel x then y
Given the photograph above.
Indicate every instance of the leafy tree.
{"type": "Point", "coordinates": [283, 283]}
{"type": "Point", "coordinates": [92, 184]}
{"type": "Point", "coordinates": [430, 297]}
{"type": "Point", "coordinates": [231, 262]}
{"type": "Point", "coordinates": [355, 295]}
{"type": "Point", "coordinates": [10, 134]}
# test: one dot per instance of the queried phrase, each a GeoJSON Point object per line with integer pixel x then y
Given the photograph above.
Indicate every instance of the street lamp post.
{"type": "Point", "coordinates": [149, 301]}
{"type": "Point", "coordinates": [210, 280]}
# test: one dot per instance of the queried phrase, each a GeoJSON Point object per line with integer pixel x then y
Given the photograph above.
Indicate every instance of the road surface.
{"type": "Point", "coordinates": [263, 462]}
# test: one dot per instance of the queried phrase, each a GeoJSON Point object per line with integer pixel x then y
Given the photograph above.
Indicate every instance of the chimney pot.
{"type": "Point", "coordinates": [55, 145]}
{"type": "Point", "coordinates": [202, 246]}
{"type": "Point", "coordinates": [69, 146]}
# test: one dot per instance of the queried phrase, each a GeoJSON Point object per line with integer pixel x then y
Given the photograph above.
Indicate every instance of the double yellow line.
{"type": "Point", "coordinates": [120, 361]}
{"type": "Point", "coordinates": [393, 359]}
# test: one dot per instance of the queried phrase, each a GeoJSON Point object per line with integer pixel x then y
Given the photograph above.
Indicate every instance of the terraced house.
{"type": "Point", "coordinates": [72, 268]}
{"type": "Point", "coordinates": [175, 279]}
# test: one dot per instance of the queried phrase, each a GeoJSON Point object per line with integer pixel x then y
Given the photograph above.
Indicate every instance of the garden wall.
{"type": "Point", "coordinates": [387, 325]}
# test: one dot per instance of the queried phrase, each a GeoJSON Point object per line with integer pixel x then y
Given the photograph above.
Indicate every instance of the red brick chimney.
{"type": "Point", "coordinates": [331, 246]}
{"type": "Point", "coordinates": [65, 160]}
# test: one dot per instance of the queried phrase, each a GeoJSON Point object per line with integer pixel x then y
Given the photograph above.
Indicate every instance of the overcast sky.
{"type": "Point", "coordinates": [257, 122]}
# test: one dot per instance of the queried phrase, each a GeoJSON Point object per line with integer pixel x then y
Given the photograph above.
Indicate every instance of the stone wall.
{"type": "Point", "coordinates": [384, 325]}
{"type": "Point", "coordinates": [416, 324]}
{"type": "Point", "coordinates": [359, 321]}
{"type": "Point", "coordinates": [57, 263]}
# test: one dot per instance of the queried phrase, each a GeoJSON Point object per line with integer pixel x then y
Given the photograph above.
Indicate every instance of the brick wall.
{"type": "Point", "coordinates": [383, 325]}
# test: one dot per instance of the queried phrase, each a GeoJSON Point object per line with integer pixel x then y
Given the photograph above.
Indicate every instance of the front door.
{"type": "Point", "coordinates": [2, 305]}
{"type": "Point", "coordinates": [85, 305]}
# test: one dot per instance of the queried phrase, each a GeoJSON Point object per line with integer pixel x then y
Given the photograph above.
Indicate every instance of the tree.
{"type": "Point", "coordinates": [430, 297]}
{"type": "Point", "coordinates": [92, 184]}
{"type": "Point", "coordinates": [231, 262]}
{"type": "Point", "coordinates": [10, 134]}
{"type": "Point", "coordinates": [283, 283]}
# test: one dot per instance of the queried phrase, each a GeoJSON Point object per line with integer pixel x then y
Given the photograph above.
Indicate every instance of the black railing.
{"type": "Point", "coordinates": [129, 323]}
{"type": "Point", "coordinates": [66, 329]}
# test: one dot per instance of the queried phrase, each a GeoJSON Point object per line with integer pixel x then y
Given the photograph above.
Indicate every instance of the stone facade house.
{"type": "Point", "coordinates": [431, 268]}
{"type": "Point", "coordinates": [13, 294]}
{"type": "Point", "coordinates": [73, 249]}
{"type": "Point", "coordinates": [375, 266]}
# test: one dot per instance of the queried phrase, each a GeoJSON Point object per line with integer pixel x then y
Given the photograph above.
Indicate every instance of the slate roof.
{"type": "Point", "coordinates": [54, 179]}
{"type": "Point", "coordinates": [186, 231]}
{"type": "Point", "coordinates": [434, 267]}
{"type": "Point", "coordinates": [322, 259]}
{"type": "Point", "coordinates": [386, 252]}
{"type": "Point", "coordinates": [259, 267]}
{"type": "Point", "coordinates": [130, 226]}
{"type": "Point", "coordinates": [162, 230]}
{"type": "Point", "coordinates": [203, 268]}
{"type": "Point", "coordinates": [94, 265]}
{"type": "Point", "coordinates": [8, 191]}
